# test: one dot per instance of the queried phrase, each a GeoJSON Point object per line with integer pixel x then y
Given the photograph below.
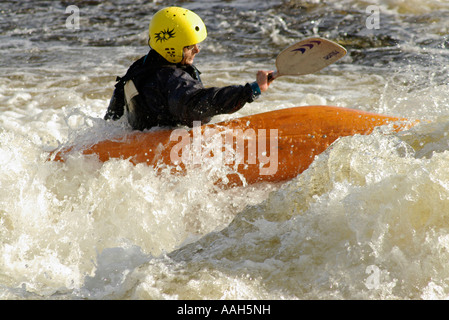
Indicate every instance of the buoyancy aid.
{"type": "Point", "coordinates": [155, 92]}
{"type": "Point", "coordinates": [126, 95]}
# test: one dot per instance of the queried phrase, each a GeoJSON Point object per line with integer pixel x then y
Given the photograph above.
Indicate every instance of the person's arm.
{"type": "Point", "coordinates": [189, 101]}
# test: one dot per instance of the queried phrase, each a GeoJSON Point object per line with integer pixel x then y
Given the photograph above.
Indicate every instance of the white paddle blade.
{"type": "Point", "coordinates": [308, 56]}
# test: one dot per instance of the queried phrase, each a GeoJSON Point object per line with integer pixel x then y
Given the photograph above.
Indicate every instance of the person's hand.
{"type": "Point", "coordinates": [262, 80]}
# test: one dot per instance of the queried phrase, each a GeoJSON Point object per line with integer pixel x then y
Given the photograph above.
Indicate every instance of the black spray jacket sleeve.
{"type": "Point", "coordinates": [188, 100]}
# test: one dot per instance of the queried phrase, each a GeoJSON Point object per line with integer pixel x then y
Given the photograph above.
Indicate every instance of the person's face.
{"type": "Point", "coordinates": [189, 54]}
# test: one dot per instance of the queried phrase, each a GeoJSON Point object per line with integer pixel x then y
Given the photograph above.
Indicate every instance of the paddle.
{"type": "Point", "coordinates": [306, 57]}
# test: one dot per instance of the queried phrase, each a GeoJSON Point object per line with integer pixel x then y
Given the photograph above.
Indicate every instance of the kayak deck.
{"type": "Point", "coordinates": [272, 146]}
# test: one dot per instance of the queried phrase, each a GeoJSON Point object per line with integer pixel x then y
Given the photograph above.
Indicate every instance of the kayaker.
{"type": "Point", "coordinates": [163, 88]}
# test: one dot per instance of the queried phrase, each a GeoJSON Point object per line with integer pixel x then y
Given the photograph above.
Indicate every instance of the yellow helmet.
{"type": "Point", "coordinates": [173, 28]}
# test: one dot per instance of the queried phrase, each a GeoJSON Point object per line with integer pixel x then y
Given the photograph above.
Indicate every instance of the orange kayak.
{"type": "Point", "coordinates": [273, 146]}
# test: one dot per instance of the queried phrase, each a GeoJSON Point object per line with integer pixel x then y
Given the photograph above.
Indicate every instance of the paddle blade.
{"type": "Point", "coordinates": [308, 56]}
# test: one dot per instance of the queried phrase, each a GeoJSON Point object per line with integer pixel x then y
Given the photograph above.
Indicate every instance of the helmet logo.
{"type": "Point", "coordinates": [165, 35]}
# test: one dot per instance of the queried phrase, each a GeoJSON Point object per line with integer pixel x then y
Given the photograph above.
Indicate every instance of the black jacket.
{"type": "Point", "coordinates": [171, 95]}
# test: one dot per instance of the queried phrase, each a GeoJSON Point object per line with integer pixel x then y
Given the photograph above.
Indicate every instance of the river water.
{"type": "Point", "coordinates": [368, 220]}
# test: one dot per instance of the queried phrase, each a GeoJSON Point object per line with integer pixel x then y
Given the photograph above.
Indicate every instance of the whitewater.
{"type": "Point", "coordinates": [369, 219]}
